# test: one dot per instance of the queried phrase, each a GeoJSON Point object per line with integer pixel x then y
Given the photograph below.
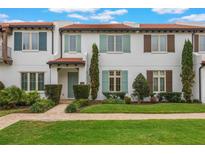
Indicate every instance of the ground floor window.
{"type": "Point", "coordinates": [31, 81]}
{"type": "Point", "coordinates": [114, 81]}
{"type": "Point", "coordinates": [159, 81]}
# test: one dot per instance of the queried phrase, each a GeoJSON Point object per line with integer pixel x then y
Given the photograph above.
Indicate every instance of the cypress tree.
{"type": "Point", "coordinates": [140, 86]}
{"type": "Point", "coordinates": [187, 73]}
{"type": "Point", "coordinates": [94, 72]}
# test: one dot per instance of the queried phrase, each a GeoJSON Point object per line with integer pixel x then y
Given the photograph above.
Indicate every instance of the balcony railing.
{"type": "Point", "coordinates": [8, 52]}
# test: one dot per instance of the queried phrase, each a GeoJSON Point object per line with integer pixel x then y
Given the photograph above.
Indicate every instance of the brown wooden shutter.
{"type": "Point", "coordinates": [150, 79]}
{"type": "Point", "coordinates": [169, 80]}
{"type": "Point", "coordinates": [196, 43]}
{"type": "Point", "coordinates": [170, 43]}
{"type": "Point", "coordinates": [147, 43]}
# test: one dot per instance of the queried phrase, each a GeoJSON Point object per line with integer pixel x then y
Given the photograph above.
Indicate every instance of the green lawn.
{"type": "Point", "coordinates": [105, 132]}
{"type": "Point", "coordinates": [142, 108]}
{"type": "Point", "coordinates": [19, 110]}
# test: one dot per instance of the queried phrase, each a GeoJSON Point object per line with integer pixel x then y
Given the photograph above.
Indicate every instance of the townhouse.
{"type": "Point", "coordinates": [36, 53]}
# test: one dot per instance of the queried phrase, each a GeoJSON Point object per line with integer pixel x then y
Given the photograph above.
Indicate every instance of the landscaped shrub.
{"type": "Point", "coordinates": [196, 101]}
{"type": "Point", "coordinates": [42, 106]}
{"type": "Point", "coordinates": [127, 100]}
{"type": "Point", "coordinates": [173, 97]}
{"type": "Point", "coordinates": [1, 85]}
{"type": "Point", "coordinates": [81, 91]}
{"type": "Point", "coordinates": [140, 86]}
{"type": "Point", "coordinates": [32, 97]}
{"type": "Point", "coordinates": [11, 97]}
{"type": "Point", "coordinates": [73, 107]}
{"type": "Point", "coordinates": [114, 95]}
{"type": "Point", "coordinates": [82, 102]}
{"type": "Point", "coordinates": [113, 101]}
{"type": "Point", "coordinates": [53, 92]}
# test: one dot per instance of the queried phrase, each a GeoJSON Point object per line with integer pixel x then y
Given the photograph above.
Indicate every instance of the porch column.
{"type": "Point", "coordinates": [53, 75]}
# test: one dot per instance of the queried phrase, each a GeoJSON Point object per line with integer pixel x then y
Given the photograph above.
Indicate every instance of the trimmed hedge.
{"type": "Point", "coordinates": [42, 106]}
{"type": "Point", "coordinates": [174, 97]}
{"type": "Point", "coordinates": [2, 86]}
{"type": "Point", "coordinates": [81, 91]}
{"type": "Point", "coordinates": [113, 101]}
{"type": "Point", "coordinates": [127, 100]}
{"type": "Point", "coordinates": [114, 95]}
{"type": "Point", "coordinates": [53, 92]}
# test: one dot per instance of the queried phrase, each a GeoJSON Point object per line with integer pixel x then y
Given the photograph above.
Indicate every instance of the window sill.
{"type": "Point", "coordinates": [159, 52]}
{"type": "Point", "coordinates": [113, 52]}
{"type": "Point", "coordinates": [201, 52]}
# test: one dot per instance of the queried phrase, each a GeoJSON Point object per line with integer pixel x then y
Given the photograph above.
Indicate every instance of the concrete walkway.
{"type": "Point", "coordinates": [57, 114]}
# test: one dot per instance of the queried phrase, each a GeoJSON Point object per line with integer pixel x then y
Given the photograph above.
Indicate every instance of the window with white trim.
{"type": "Point", "coordinates": [114, 81]}
{"type": "Point", "coordinates": [201, 42]}
{"type": "Point", "coordinates": [115, 43]}
{"type": "Point", "coordinates": [159, 43]}
{"type": "Point", "coordinates": [31, 81]}
{"type": "Point", "coordinates": [159, 81]}
{"type": "Point", "coordinates": [30, 41]}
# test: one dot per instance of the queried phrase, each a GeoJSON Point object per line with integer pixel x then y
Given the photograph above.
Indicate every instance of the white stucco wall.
{"type": "Point", "coordinates": [135, 62]}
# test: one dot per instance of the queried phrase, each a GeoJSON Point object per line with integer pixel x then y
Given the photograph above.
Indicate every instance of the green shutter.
{"type": "Point", "coordinates": [78, 43]}
{"type": "Point", "coordinates": [105, 81]}
{"type": "Point", "coordinates": [124, 81]}
{"type": "Point", "coordinates": [17, 41]}
{"type": "Point", "coordinates": [66, 43]}
{"type": "Point", "coordinates": [103, 43]}
{"type": "Point", "coordinates": [42, 41]}
{"type": "Point", "coordinates": [126, 43]}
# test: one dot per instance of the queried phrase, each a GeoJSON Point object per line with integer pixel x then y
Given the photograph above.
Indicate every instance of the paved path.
{"type": "Point", "coordinates": [57, 114]}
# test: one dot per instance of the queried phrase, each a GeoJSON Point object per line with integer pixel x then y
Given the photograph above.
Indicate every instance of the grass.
{"type": "Point", "coordinates": [142, 108]}
{"type": "Point", "coordinates": [9, 111]}
{"type": "Point", "coordinates": [106, 132]}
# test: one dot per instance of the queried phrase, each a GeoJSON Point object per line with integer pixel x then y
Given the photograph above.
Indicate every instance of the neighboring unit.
{"type": "Point", "coordinates": [33, 54]}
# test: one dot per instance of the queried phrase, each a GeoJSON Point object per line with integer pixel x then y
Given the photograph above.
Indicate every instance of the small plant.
{"type": "Point", "coordinates": [42, 106]}
{"type": "Point", "coordinates": [171, 97]}
{"type": "Point", "coordinates": [81, 91]}
{"type": "Point", "coordinates": [71, 108]}
{"type": "Point", "coordinates": [114, 95]}
{"type": "Point", "coordinates": [11, 97]}
{"type": "Point", "coordinates": [113, 101]}
{"type": "Point", "coordinates": [127, 100]}
{"type": "Point", "coordinates": [53, 92]}
{"type": "Point", "coordinates": [140, 86]}
{"type": "Point", "coordinates": [1, 85]}
{"type": "Point", "coordinates": [196, 101]}
{"type": "Point", "coordinates": [32, 97]}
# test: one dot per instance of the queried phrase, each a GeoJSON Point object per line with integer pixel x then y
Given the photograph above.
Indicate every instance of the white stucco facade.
{"type": "Point", "coordinates": [135, 62]}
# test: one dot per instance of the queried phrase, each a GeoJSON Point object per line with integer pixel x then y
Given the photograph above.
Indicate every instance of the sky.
{"type": "Point", "coordinates": [104, 15]}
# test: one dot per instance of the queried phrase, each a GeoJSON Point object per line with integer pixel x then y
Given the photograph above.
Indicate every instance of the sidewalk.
{"type": "Point", "coordinates": [57, 114]}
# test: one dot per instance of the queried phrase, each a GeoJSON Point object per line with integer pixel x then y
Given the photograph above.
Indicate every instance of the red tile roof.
{"type": "Point", "coordinates": [27, 24]}
{"type": "Point", "coordinates": [168, 26]}
{"type": "Point", "coordinates": [67, 61]}
{"type": "Point", "coordinates": [97, 26]}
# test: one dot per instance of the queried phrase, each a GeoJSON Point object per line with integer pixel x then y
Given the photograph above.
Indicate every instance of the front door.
{"type": "Point", "coordinates": [72, 80]}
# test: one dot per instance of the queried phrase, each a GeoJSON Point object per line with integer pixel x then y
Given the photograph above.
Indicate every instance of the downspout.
{"type": "Point", "coordinates": [61, 54]}
{"type": "Point", "coordinates": [52, 40]}
{"type": "Point", "coordinates": [200, 81]}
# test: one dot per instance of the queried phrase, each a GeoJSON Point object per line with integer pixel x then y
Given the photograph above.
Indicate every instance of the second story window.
{"type": "Point", "coordinates": [202, 43]}
{"type": "Point", "coordinates": [159, 43]}
{"type": "Point", "coordinates": [72, 43]}
{"type": "Point", "coordinates": [30, 41]}
{"type": "Point", "coordinates": [114, 43]}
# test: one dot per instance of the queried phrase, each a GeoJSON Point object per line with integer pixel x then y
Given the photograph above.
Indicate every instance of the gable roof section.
{"type": "Point", "coordinates": [28, 25]}
{"type": "Point", "coordinates": [169, 26]}
{"type": "Point", "coordinates": [96, 27]}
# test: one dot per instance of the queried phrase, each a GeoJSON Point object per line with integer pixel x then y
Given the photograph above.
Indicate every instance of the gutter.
{"type": "Point", "coordinates": [202, 65]}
